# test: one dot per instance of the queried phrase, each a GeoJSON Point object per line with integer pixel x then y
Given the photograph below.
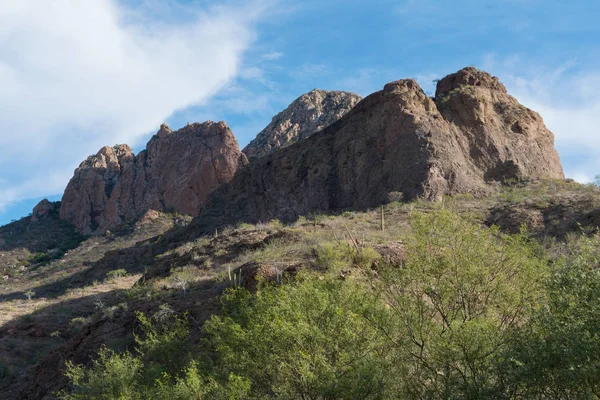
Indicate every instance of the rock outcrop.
{"type": "Point", "coordinates": [45, 209]}
{"type": "Point", "coordinates": [176, 172]}
{"type": "Point", "coordinates": [469, 138]}
{"type": "Point", "coordinates": [306, 115]}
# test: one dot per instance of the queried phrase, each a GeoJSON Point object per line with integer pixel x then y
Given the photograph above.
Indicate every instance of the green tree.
{"type": "Point", "coordinates": [462, 291]}
{"type": "Point", "coordinates": [311, 339]}
{"type": "Point", "coordinates": [557, 355]}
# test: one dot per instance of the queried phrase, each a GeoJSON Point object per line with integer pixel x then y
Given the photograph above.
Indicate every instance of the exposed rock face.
{"type": "Point", "coordinates": [176, 172]}
{"type": "Point", "coordinates": [470, 135]}
{"type": "Point", "coordinates": [308, 114]}
{"type": "Point", "coordinates": [44, 209]}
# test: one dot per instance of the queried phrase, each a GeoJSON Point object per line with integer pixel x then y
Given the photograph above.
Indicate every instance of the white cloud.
{"type": "Point", "coordinates": [77, 75]}
{"type": "Point", "coordinates": [569, 101]}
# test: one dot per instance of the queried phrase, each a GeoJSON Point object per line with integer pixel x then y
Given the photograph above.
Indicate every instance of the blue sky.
{"type": "Point", "coordinates": [85, 74]}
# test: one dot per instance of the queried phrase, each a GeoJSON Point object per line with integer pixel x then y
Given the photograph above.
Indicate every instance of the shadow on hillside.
{"type": "Point", "coordinates": [34, 347]}
{"type": "Point", "coordinates": [133, 260]}
{"type": "Point", "coordinates": [39, 236]}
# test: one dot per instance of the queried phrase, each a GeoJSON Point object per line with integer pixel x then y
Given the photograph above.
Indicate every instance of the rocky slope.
{"type": "Point", "coordinates": [472, 135]}
{"type": "Point", "coordinates": [176, 172]}
{"type": "Point", "coordinates": [308, 114]}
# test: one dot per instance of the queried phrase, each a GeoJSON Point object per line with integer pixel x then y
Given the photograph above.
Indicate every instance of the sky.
{"type": "Point", "coordinates": [78, 75]}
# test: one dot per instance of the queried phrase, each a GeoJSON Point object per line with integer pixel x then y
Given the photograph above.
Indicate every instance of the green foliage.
{"type": "Point", "coordinates": [462, 289]}
{"type": "Point", "coordinates": [310, 339]}
{"type": "Point", "coordinates": [111, 376]}
{"type": "Point", "coordinates": [333, 256]}
{"type": "Point", "coordinates": [557, 355]}
{"type": "Point", "coordinates": [161, 355]}
{"type": "Point", "coordinates": [275, 224]}
{"type": "Point", "coordinates": [40, 257]}
{"type": "Point", "coordinates": [301, 220]}
{"type": "Point", "coordinates": [163, 336]}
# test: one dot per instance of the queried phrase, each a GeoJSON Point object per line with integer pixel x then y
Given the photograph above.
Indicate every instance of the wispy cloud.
{"type": "Point", "coordinates": [77, 75]}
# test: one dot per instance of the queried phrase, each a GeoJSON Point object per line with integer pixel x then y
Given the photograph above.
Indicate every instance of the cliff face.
{"type": "Point", "coordinates": [176, 172]}
{"type": "Point", "coordinates": [469, 136]}
{"type": "Point", "coordinates": [308, 114]}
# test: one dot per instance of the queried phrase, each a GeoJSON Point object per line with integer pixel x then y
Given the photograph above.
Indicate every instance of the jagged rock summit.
{"type": "Point", "coordinates": [306, 115]}
{"type": "Point", "coordinates": [472, 136]}
{"type": "Point", "coordinates": [176, 172]}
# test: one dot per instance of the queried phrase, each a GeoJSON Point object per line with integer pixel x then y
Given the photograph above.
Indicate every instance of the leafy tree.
{"type": "Point", "coordinates": [311, 339]}
{"type": "Point", "coordinates": [557, 355]}
{"type": "Point", "coordinates": [461, 292]}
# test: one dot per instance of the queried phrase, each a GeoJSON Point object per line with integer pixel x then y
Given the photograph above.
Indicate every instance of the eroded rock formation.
{"type": "Point", "coordinates": [176, 172]}
{"type": "Point", "coordinates": [308, 114]}
{"type": "Point", "coordinates": [45, 209]}
{"type": "Point", "coordinates": [470, 136]}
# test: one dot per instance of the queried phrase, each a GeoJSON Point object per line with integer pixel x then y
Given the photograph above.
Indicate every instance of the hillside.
{"type": "Point", "coordinates": [89, 297]}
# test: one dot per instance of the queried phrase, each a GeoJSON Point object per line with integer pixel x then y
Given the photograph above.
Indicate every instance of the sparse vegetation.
{"type": "Point", "coordinates": [435, 305]}
{"type": "Point", "coordinates": [115, 274]}
{"type": "Point", "coordinates": [471, 312]}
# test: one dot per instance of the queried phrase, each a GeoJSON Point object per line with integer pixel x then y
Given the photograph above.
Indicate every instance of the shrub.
{"type": "Point", "coordinates": [557, 354]}
{"type": "Point", "coordinates": [111, 376]}
{"type": "Point", "coordinates": [310, 339]}
{"type": "Point", "coordinates": [40, 257]}
{"type": "Point", "coordinates": [161, 360]}
{"type": "Point", "coordinates": [462, 290]}
{"type": "Point", "coordinates": [115, 274]}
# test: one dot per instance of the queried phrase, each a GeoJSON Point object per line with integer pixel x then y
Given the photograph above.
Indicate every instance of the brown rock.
{"type": "Point", "coordinates": [176, 172]}
{"type": "Point", "coordinates": [44, 209]}
{"type": "Point", "coordinates": [395, 140]}
{"type": "Point", "coordinates": [308, 114]}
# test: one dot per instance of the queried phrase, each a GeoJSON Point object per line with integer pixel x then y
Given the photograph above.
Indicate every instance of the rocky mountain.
{"type": "Point", "coordinates": [176, 172]}
{"type": "Point", "coordinates": [65, 296]}
{"type": "Point", "coordinates": [471, 136]}
{"type": "Point", "coordinates": [306, 115]}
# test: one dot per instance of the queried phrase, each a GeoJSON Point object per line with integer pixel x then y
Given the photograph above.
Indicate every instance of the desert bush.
{"type": "Point", "coordinates": [454, 303]}
{"type": "Point", "coordinates": [310, 339]}
{"type": "Point", "coordinates": [557, 354]}
{"type": "Point", "coordinates": [40, 257]}
{"type": "Point", "coordinates": [115, 274]}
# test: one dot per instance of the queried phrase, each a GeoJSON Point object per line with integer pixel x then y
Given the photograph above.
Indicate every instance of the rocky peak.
{"type": "Point", "coordinates": [44, 209]}
{"type": "Point", "coordinates": [410, 94]}
{"type": "Point", "coordinates": [306, 115]}
{"type": "Point", "coordinates": [164, 131]}
{"type": "Point", "coordinates": [176, 172]}
{"type": "Point", "coordinates": [469, 76]}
